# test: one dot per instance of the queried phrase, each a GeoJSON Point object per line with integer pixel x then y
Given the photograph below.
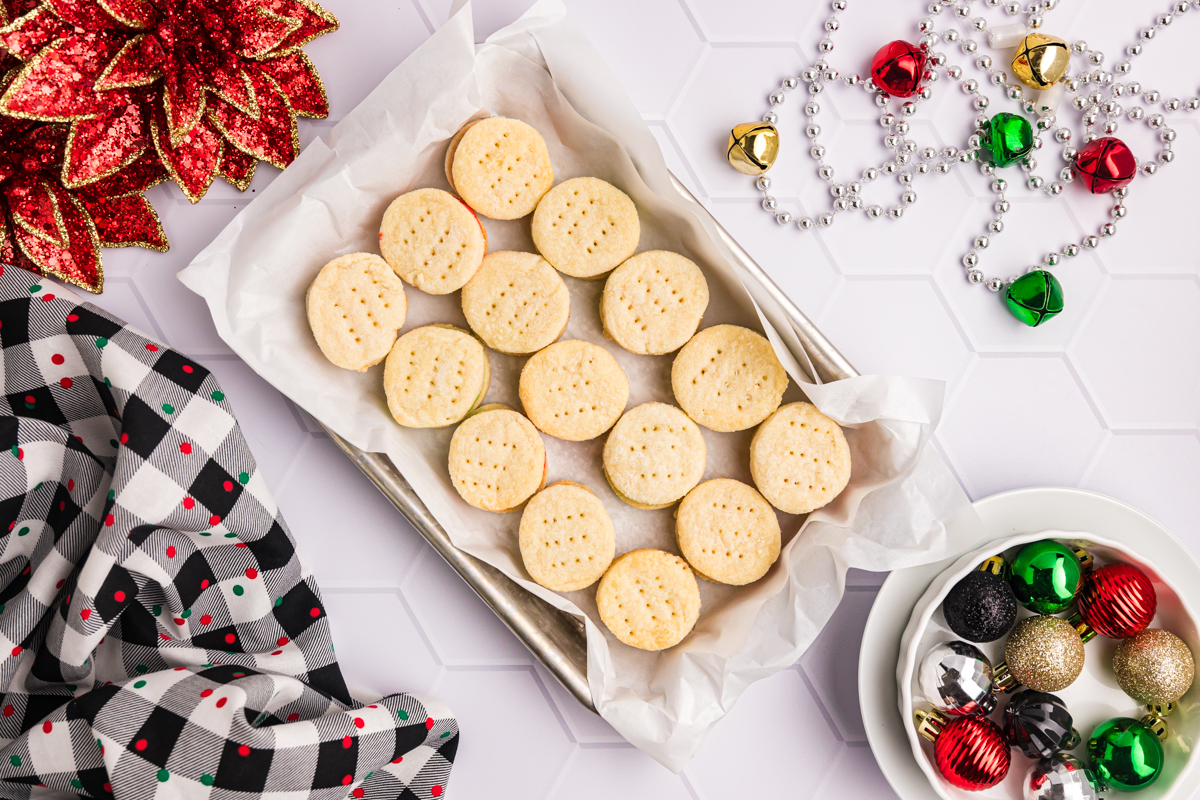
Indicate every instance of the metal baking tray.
{"type": "Point", "coordinates": [556, 637]}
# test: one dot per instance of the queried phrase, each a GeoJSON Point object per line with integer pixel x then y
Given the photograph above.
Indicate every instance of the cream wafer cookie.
{"type": "Point", "coordinates": [566, 538]}
{"type": "Point", "coordinates": [434, 376]}
{"type": "Point", "coordinates": [355, 307]}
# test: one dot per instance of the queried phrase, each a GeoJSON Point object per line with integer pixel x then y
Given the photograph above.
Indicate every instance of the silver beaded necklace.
{"type": "Point", "coordinates": [1096, 97]}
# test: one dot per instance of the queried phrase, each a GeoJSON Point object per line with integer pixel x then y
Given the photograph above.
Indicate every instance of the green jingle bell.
{"type": "Point", "coordinates": [1126, 754]}
{"type": "Point", "coordinates": [1006, 138]}
{"type": "Point", "coordinates": [1046, 576]}
{"type": "Point", "coordinates": [1035, 297]}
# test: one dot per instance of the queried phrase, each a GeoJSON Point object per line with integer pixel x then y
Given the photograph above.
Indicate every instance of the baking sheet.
{"type": "Point", "coordinates": [330, 201]}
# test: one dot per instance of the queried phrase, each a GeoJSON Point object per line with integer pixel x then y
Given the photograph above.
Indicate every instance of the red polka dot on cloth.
{"type": "Point", "coordinates": [189, 503]}
{"type": "Point", "coordinates": [47, 726]}
{"type": "Point", "coordinates": [358, 722]}
{"type": "Point", "coordinates": [346, 781]}
{"type": "Point", "coordinates": [221, 703]}
{"type": "Point", "coordinates": [141, 744]}
{"type": "Point", "coordinates": [358, 793]}
{"type": "Point", "coordinates": [204, 620]}
{"type": "Point", "coordinates": [347, 742]}
{"type": "Point", "coordinates": [119, 596]}
{"type": "Point", "coordinates": [87, 612]}
{"type": "Point", "coordinates": [57, 359]}
{"type": "Point", "coordinates": [66, 383]}
{"type": "Point", "coordinates": [244, 750]}
{"type": "Point", "coordinates": [429, 723]}
{"type": "Point", "coordinates": [292, 717]}
{"type": "Point", "coordinates": [251, 573]}
{"type": "Point", "coordinates": [206, 693]}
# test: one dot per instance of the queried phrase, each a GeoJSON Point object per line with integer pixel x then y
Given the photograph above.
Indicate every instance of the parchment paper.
{"type": "Point", "coordinates": [330, 201]}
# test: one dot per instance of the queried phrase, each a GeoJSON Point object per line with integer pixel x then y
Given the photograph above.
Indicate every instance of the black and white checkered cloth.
{"type": "Point", "coordinates": [159, 635]}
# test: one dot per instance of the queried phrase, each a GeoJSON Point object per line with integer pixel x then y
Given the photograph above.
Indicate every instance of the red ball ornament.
{"type": "Point", "coordinates": [897, 68]}
{"type": "Point", "coordinates": [1105, 165]}
{"type": "Point", "coordinates": [1117, 601]}
{"type": "Point", "coordinates": [971, 753]}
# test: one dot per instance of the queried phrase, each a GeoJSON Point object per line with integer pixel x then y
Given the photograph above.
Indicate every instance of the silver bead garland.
{"type": "Point", "coordinates": [1103, 98]}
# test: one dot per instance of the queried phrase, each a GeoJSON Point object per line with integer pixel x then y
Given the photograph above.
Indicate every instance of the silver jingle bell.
{"type": "Point", "coordinates": [1060, 777]}
{"type": "Point", "coordinates": [956, 677]}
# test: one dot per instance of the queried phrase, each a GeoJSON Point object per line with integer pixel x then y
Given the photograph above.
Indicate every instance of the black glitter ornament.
{"type": "Point", "coordinates": [981, 607]}
{"type": "Point", "coordinates": [1039, 724]}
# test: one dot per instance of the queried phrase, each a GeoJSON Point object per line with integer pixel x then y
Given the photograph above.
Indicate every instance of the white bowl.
{"type": "Point", "coordinates": [1094, 696]}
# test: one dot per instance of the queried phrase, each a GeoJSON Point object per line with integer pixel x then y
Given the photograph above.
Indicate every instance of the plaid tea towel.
{"type": "Point", "coordinates": [159, 635]}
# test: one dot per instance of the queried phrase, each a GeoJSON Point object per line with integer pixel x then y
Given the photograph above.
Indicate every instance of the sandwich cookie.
{"type": "Point", "coordinates": [727, 532]}
{"type": "Point", "coordinates": [799, 459]}
{"type": "Point", "coordinates": [652, 304]}
{"type": "Point", "coordinates": [573, 390]}
{"type": "Point", "coordinates": [654, 455]}
{"type": "Point", "coordinates": [434, 376]}
{"type": "Point", "coordinates": [501, 167]}
{"type": "Point", "coordinates": [516, 303]}
{"type": "Point", "coordinates": [432, 240]}
{"type": "Point", "coordinates": [566, 537]}
{"type": "Point", "coordinates": [497, 459]}
{"type": "Point", "coordinates": [728, 378]}
{"type": "Point", "coordinates": [585, 227]}
{"type": "Point", "coordinates": [649, 599]}
{"type": "Point", "coordinates": [356, 306]}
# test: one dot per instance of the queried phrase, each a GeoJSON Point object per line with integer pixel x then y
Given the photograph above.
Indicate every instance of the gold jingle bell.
{"type": "Point", "coordinates": [753, 147]}
{"type": "Point", "coordinates": [1041, 60]}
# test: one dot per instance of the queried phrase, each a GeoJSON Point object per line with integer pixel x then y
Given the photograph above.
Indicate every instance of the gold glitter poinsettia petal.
{"type": "Point", "coordinates": [127, 220]}
{"type": "Point", "coordinates": [136, 14]}
{"type": "Point", "coordinates": [35, 209]}
{"type": "Point", "coordinates": [137, 63]}
{"type": "Point", "coordinates": [103, 146]}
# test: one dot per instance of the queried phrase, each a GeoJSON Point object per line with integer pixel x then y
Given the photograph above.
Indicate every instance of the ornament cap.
{"type": "Point", "coordinates": [930, 723]}
{"type": "Point", "coordinates": [753, 147]}
{"type": "Point", "coordinates": [1086, 633]}
{"type": "Point", "coordinates": [1156, 725]}
{"type": "Point", "coordinates": [995, 565]}
{"type": "Point", "coordinates": [1002, 678]}
{"type": "Point", "coordinates": [1085, 558]}
{"type": "Point", "coordinates": [1162, 709]}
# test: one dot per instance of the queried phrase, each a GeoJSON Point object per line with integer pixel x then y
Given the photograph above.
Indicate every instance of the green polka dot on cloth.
{"type": "Point", "coordinates": [99, 745]}
{"type": "Point", "coordinates": [243, 478]}
{"type": "Point", "coordinates": [444, 735]}
{"type": "Point", "coordinates": [108, 383]}
{"type": "Point", "coordinates": [206, 533]}
{"type": "Point", "coordinates": [402, 714]}
{"type": "Point", "coordinates": [16, 451]}
{"type": "Point", "coordinates": [139, 684]}
{"type": "Point", "coordinates": [168, 408]}
{"type": "Point", "coordinates": [231, 536]}
{"type": "Point", "coordinates": [2, 608]}
{"type": "Point", "coordinates": [142, 669]}
{"type": "Point", "coordinates": [23, 531]}
{"type": "Point", "coordinates": [15, 760]}
{"type": "Point", "coordinates": [113, 442]}
{"type": "Point", "coordinates": [101, 342]}
{"type": "Point", "coordinates": [111, 494]}
{"type": "Point", "coordinates": [156, 610]}
{"type": "Point", "coordinates": [238, 590]}
{"type": "Point", "coordinates": [187, 612]}
{"type": "Point", "coordinates": [278, 603]}
{"type": "Point", "coordinates": [75, 782]}
{"type": "Point", "coordinates": [39, 485]}
{"type": "Point", "coordinates": [218, 396]}
{"type": "Point", "coordinates": [163, 775]}
{"type": "Point", "coordinates": [207, 780]}
{"type": "Point", "coordinates": [37, 287]}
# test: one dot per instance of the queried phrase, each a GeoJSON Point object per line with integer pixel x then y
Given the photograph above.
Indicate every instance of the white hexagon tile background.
{"type": "Point", "coordinates": [1106, 396]}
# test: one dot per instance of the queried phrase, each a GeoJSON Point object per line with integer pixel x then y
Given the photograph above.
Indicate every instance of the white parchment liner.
{"type": "Point", "coordinates": [329, 202]}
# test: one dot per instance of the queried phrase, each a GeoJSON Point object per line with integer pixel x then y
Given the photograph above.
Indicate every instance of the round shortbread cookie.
{"type": "Point", "coordinates": [434, 376]}
{"type": "Point", "coordinates": [727, 531]}
{"type": "Point", "coordinates": [799, 459]}
{"type": "Point", "coordinates": [728, 378]}
{"type": "Point", "coordinates": [501, 167]}
{"type": "Point", "coordinates": [567, 540]}
{"type": "Point", "coordinates": [516, 303]}
{"type": "Point", "coordinates": [585, 227]}
{"type": "Point", "coordinates": [356, 306]}
{"type": "Point", "coordinates": [497, 459]}
{"type": "Point", "coordinates": [649, 599]}
{"type": "Point", "coordinates": [573, 390]}
{"type": "Point", "coordinates": [452, 148]}
{"type": "Point", "coordinates": [654, 455]}
{"type": "Point", "coordinates": [652, 304]}
{"type": "Point", "coordinates": [432, 240]}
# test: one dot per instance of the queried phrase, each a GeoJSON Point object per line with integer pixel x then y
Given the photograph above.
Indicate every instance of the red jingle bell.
{"type": "Point", "coordinates": [1105, 165]}
{"type": "Point", "coordinates": [970, 752]}
{"type": "Point", "coordinates": [897, 68]}
{"type": "Point", "coordinates": [1117, 601]}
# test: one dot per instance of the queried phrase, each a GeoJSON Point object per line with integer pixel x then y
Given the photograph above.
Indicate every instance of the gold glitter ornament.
{"type": "Point", "coordinates": [753, 147]}
{"type": "Point", "coordinates": [1044, 653]}
{"type": "Point", "coordinates": [1041, 60]}
{"type": "Point", "coordinates": [1154, 667]}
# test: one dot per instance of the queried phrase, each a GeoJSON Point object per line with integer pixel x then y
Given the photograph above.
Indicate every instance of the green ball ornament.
{"type": "Point", "coordinates": [1045, 577]}
{"type": "Point", "coordinates": [1006, 138]}
{"type": "Point", "coordinates": [1126, 754]}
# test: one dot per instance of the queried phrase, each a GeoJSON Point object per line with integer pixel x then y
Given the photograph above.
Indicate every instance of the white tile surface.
{"type": "Point", "coordinates": [1107, 396]}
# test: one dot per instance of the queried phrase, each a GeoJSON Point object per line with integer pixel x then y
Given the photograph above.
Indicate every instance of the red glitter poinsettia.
{"type": "Point", "coordinates": [209, 86]}
{"type": "Point", "coordinates": [54, 230]}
